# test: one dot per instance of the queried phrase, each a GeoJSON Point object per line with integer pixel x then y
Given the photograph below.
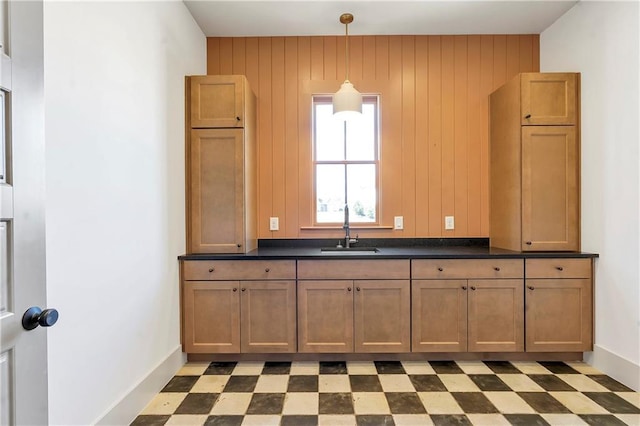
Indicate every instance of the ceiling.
{"type": "Point", "coordinates": [308, 17]}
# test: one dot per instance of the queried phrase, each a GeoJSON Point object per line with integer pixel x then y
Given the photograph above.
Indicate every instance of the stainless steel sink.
{"type": "Point", "coordinates": [348, 250]}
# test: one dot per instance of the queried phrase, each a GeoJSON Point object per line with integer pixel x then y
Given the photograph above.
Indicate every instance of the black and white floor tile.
{"type": "Point", "coordinates": [392, 393]}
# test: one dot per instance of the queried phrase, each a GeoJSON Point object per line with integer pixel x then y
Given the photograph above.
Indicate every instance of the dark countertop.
{"type": "Point", "coordinates": [397, 248]}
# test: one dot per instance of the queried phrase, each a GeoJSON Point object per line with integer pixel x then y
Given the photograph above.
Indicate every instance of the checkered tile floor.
{"type": "Point", "coordinates": [392, 393]}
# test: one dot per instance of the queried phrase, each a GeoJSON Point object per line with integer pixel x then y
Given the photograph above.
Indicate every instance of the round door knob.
{"type": "Point", "coordinates": [528, 243]}
{"type": "Point", "coordinates": [235, 289]}
{"type": "Point", "coordinates": [527, 116]}
{"type": "Point", "coordinates": [559, 268]}
{"type": "Point", "coordinates": [267, 269]}
{"type": "Point", "coordinates": [212, 269]}
{"type": "Point", "coordinates": [464, 287]}
{"type": "Point", "coordinates": [239, 245]}
{"type": "Point", "coordinates": [348, 288]}
{"type": "Point", "coordinates": [497, 269]}
{"type": "Point", "coordinates": [473, 288]}
{"type": "Point", "coordinates": [440, 269]}
{"type": "Point", "coordinates": [531, 287]}
{"type": "Point", "coordinates": [34, 316]}
{"type": "Point", "coordinates": [244, 289]}
{"type": "Point", "coordinates": [357, 288]}
{"type": "Point", "coordinates": [237, 118]}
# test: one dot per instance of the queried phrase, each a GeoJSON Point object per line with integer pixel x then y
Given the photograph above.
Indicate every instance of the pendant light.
{"type": "Point", "coordinates": [347, 102]}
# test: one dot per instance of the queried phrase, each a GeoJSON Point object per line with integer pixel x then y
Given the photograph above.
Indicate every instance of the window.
{"type": "Point", "coordinates": [345, 163]}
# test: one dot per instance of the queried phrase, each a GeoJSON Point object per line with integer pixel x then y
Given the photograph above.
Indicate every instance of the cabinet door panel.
{"type": "Point", "coordinates": [439, 315]}
{"type": "Point", "coordinates": [496, 316]}
{"type": "Point", "coordinates": [217, 101]}
{"type": "Point", "coordinates": [216, 192]}
{"type": "Point", "coordinates": [549, 99]}
{"type": "Point", "coordinates": [325, 316]}
{"type": "Point", "coordinates": [212, 317]}
{"type": "Point", "coordinates": [559, 315]}
{"type": "Point", "coordinates": [550, 204]}
{"type": "Point", "coordinates": [382, 316]}
{"type": "Point", "coordinates": [268, 316]}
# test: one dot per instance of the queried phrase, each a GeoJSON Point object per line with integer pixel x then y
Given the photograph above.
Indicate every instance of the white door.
{"type": "Point", "coordinates": [23, 354]}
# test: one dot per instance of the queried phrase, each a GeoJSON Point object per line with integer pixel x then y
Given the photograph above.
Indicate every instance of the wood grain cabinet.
{"type": "Point", "coordinates": [467, 305]}
{"type": "Point", "coordinates": [353, 305]}
{"type": "Point", "coordinates": [559, 305]}
{"type": "Point", "coordinates": [535, 163]}
{"type": "Point", "coordinates": [239, 306]}
{"type": "Point", "coordinates": [221, 165]}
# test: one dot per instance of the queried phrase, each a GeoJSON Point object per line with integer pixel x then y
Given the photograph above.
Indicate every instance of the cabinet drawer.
{"type": "Point", "coordinates": [558, 268]}
{"type": "Point", "coordinates": [353, 269]}
{"type": "Point", "coordinates": [466, 268]}
{"type": "Point", "coordinates": [239, 270]}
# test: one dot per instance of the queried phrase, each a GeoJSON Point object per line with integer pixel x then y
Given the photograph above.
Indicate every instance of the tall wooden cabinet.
{"type": "Point", "coordinates": [535, 163]}
{"type": "Point", "coordinates": [221, 165]}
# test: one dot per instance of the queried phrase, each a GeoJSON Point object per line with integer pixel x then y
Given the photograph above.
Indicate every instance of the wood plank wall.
{"type": "Point", "coordinates": [434, 126]}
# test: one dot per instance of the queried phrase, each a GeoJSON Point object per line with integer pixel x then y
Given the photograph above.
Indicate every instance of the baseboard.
{"type": "Point", "coordinates": [124, 411]}
{"type": "Point", "coordinates": [615, 366]}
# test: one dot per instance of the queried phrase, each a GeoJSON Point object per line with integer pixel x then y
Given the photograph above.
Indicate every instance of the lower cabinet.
{"type": "Point", "coordinates": [559, 305]}
{"type": "Point", "coordinates": [347, 315]}
{"type": "Point", "coordinates": [233, 316]}
{"type": "Point", "coordinates": [454, 314]}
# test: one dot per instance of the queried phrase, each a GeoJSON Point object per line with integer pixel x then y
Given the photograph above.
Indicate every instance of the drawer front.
{"type": "Point", "coordinates": [558, 268]}
{"type": "Point", "coordinates": [466, 268]}
{"type": "Point", "coordinates": [353, 269]}
{"type": "Point", "coordinates": [202, 270]}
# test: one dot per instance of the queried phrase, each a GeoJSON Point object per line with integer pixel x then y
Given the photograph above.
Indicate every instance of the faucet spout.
{"type": "Point", "coordinates": [347, 230]}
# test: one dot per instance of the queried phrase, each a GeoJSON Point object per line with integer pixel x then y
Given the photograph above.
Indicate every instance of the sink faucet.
{"type": "Point", "coordinates": [347, 237]}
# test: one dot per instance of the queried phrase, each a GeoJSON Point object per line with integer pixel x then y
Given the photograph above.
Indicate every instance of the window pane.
{"type": "Point", "coordinates": [329, 138]}
{"type": "Point", "coordinates": [361, 190]}
{"type": "Point", "coordinates": [330, 193]}
{"type": "Point", "coordinates": [361, 135]}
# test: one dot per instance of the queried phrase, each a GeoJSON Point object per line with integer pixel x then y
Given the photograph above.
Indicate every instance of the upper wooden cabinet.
{"type": "Point", "coordinates": [549, 98]}
{"type": "Point", "coordinates": [218, 101]}
{"type": "Point", "coordinates": [535, 163]}
{"type": "Point", "coordinates": [221, 174]}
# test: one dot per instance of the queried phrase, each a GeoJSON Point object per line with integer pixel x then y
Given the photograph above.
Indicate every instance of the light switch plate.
{"type": "Point", "coordinates": [398, 222]}
{"type": "Point", "coordinates": [274, 224]}
{"type": "Point", "coordinates": [448, 222]}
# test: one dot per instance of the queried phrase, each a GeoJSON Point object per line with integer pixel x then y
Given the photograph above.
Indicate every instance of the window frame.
{"type": "Point", "coordinates": [327, 99]}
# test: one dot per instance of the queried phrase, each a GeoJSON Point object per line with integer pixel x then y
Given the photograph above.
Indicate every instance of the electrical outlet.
{"type": "Point", "coordinates": [448, 222]}
{"type": "Point", "coordinates": [398, 222]}
{"type": "Point", "coordinates": [274, 224]}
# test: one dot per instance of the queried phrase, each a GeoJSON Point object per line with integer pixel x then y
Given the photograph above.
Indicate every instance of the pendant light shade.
{"type": "Point", "coordinates": [347, 102]}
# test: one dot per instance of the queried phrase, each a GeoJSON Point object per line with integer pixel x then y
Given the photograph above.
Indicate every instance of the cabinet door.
{"type": "Point", "coordinates": [550, 201]}
{"type": "Point", "coordinates": [549, 98]}
{"type": "Point", "coordinates": [439, 315]}
{"type": "Point", "coordinates": [268, 316]}
{"type": "Point", "coordinates": [211, 317]}
{"type": "Point", "coordinates": [216, 202]}
{"type": "Point", "coordinates": [325, 316]}
{"type": "Point", "coordinates": [559, 315]}
{"type": "Point", "coordinates": [496, 316]}
{"type": "Point", "coordinates": [382, 316]}
{"type": "Point", "coordinates": [217, 101]}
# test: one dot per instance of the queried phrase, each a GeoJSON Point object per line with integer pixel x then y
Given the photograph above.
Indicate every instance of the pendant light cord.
{"type": "Point", "coordinates": [346, 51]}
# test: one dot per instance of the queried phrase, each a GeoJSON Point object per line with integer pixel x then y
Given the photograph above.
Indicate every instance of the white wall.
{"type": "Point", "coordinates": [114, 104]}
{"type": "Point", "coordinates": [600, 40]}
